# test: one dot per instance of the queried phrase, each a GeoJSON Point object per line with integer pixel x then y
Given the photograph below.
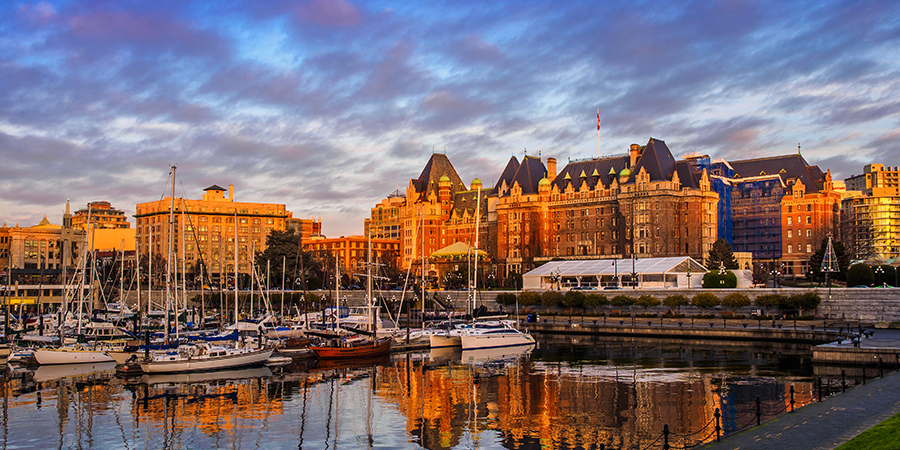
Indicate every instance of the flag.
{"type": "Point", "coordinates": [598, 120]}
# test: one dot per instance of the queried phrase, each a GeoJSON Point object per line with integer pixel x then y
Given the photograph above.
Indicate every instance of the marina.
{"type": "Point", "coordinates": [565, 392]}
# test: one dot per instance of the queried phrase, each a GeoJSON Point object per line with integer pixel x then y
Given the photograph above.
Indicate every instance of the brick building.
{"type": "Point", "coordinates": [102, 215]}
{"type": "Point", "coordinates": [209, 230]}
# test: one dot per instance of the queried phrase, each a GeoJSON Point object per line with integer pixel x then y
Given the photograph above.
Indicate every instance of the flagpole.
{"type": "Point", "coordinates": [598, 133]}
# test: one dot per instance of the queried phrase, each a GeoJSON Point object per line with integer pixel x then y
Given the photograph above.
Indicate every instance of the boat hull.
{"type": "Point", "coordinates": [483, 341]}
{"type": "Point", "coordinates": [210, 363]}
{"type": "Point", "coordinates": [444, 341]}
{"type": "Point", "coordinates": [66, 356]}
{"type": "Point", "coordinates": [379, 348]}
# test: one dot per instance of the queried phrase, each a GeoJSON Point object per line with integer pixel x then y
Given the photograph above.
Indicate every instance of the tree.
{"type": "Point", "coordinates": [676, 301]}
{"type": "Point", "coordinates": [647, 302]}
{"type": "Point", "coordinates": [770, 301]}
{"type": "Point", "coordinates": [621, 301]}
{"type": "Point", "coordinates": [551, 299]}
{"type": "Point", "coordinates": [735, 301]}
{"type": "Point", "coordinates": [595, 300]}
{"type": "Point", "coordinates": [573, 299]}
{"type": "Point", "coordinates": [283, 251]}
{"type": "Point", "coordinates": [529, 298]}
{"type": "Point", "coordinates": [860, 275]}
{"type": "Point", "coordinates": [808, 300]}
{"type": "Point", "coordinates": [705, 300]}
{"type": "Point", "coordinates": [506, 298]}
{"type": "Point", "coordinates": [721, 253]}
{"type": "Point", "coordinates": [815, 261]}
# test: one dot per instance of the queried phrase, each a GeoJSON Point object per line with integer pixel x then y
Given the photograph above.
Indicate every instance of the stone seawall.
{"type": "Point", "coordinates": [864, 305]}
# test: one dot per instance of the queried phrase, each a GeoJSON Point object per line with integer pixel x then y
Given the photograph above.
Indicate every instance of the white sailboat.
{"type": "Point", "coordinates": [202, 356]}
{"type": "Point", "coordinates": [81, 353]}
{"type": "Point", "coordinates": [489, 335]}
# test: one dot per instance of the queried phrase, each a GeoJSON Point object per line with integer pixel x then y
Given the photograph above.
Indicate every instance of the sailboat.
{"type": "Point", "coordinates": [80, 353]}
{"type": "Point", "coordinates": [201, 356]}
{"type": "Point", "coordinates": [489, 335]}
{"type": "Point", "coordinates": [350, 347]}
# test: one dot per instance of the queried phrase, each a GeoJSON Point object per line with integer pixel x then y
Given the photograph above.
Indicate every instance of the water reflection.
{"type": "Point", "coordinates": [566, 393]}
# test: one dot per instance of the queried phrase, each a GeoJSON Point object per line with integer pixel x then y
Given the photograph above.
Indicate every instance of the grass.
{"type": "Point", "coordinates": [884, 436]}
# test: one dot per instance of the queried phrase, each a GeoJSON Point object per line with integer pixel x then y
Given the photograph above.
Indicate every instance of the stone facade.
{"type": "Point", "coordinates": [102, 215]}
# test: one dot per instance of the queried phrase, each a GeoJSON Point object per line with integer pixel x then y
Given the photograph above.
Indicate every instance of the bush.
{"type": "Point", "coordinates": [647, 301]}
{"type": "Point", "coordinates": [530, 298]}
{"type": "Point", "coordinates": [676, 301]}
{"type": "Point", "coordinates": [735, 300]}
{"type": "Point", "coordinates": [860, 275]}
{"type": "Point", "coordinates": [551, 299]}
{"type": "Point", "coordinates": [622, 301]}
{"type": "Point", "coordinates": [506, 298]}
{"type": "Point", "coordinates": [769, 301]}
{"type": "Point", "coordinates": [713, 280]}
{"type": "Point", "coordinates": [595, 300]}
{"type": "Point", "coordinates": [808, 300]}
{"type": "Point", "coordinates": [573, 299]}
{"type": "Point", "coordinates": [705, 300]}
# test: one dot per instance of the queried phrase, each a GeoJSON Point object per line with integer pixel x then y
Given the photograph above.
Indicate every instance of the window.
{"type": "Point", "coordinates": [790, 208]}
{"type": "Point", "coordinates": [808, 232]}
{"type": "Point", "coordinates": [809, 207]}
{"type": "Point", "coordinates": [790, 221]}
{"type": "Point", "coordinates": [808, 220]}
{"type": "Point", "coordinates": [808, 248]}
{"type": "Point", "coordinates": [790, 234]}
{"type": "Point", "coordinates": [790, 249]}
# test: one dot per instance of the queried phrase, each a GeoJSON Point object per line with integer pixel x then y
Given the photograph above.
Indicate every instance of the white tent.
{"type": "Point", "coordinates": [670, 272]}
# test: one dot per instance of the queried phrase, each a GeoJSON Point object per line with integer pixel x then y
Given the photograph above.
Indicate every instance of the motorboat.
{"type": "Point", "coordinates": [494, 336]}
{"type": "Point", "coordinates": [75, 354]}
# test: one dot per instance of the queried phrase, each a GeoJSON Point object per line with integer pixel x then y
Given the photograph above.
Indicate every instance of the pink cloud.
{"type": "Point", "coordinates": [336, 13]}
{"type": "Point", "coordinates": [42, 12]}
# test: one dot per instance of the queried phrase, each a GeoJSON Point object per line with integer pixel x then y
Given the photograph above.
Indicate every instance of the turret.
{"type": "Point", "coordinates": [551, 169]}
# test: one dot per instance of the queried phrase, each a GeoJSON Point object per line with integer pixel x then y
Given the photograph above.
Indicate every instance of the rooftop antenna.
{"type": "Point", "coordinates": [526, 152]}
{"type": "Point", "coordinates": [798, 148]}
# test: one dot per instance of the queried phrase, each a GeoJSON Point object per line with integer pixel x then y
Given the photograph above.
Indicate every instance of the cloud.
{"type": "Point", "coordinates": [332, 13]}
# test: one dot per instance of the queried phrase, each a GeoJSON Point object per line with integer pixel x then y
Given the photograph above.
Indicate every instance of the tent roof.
{"type": "Point", "coordinates": [458, 248]}
{"type": "Point", "coordinates": [675, 264]}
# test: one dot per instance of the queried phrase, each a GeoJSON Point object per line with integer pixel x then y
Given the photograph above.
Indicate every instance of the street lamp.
{"type": "Point", "coordinates": [689, 278]}
{"type": "Point", "coordinates": [721, 273]}
{"type": "Point", "coordinates": [633, 272]}
{"type": "Point", "coordinates": [616, 267]}
{"type": "Point", "coordinates": [878, 273]}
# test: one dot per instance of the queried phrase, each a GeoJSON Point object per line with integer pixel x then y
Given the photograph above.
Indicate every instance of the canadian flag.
{"type": "Point", "coordinates": [598, 120]}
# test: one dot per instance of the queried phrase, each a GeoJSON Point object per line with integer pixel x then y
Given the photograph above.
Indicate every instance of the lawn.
{"type": "Point", "coordinates": [884, 436]}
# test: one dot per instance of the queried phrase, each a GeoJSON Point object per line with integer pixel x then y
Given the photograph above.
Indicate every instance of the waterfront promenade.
{"type": "Point", "coordinates": [831, 422]}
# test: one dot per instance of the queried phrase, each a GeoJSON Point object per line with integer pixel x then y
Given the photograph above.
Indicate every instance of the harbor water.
{"type": "Point", "coordinates": [568, 392]}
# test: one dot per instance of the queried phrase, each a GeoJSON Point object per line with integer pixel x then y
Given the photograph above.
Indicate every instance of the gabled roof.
{"type": "Point", "coordinates": [529, 174]}
{"type": "Point", "coordinates": [467, 201]}
{"type": "Point", "coordinates": [438, 165]}
{"type": "Point", "coordinates": [786, 166]}
{"type": "Point", "coordinates": [593, 267]}
{"type": "Point", "coordinates": [457, 249]}
{"type": "Point", "coordinates": [509, 173]}
{"type": "Point", "coordinates": [604, 166]}
{"type": "Point", "coordinates": [688, 175]}
{"type": "Point", "coordinates": [657, 160]}
{"type": "Point", "coordinates": [215, 187]}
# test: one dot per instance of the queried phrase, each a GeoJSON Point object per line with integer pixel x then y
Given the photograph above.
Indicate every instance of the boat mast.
{"type": "Point", "coordinates": [83, 269]}
{"type": "Point", "coordinates": [369, 295]}
{"type": "Point", "coordinates": [150, 273]}
{"type": "Point", "coordinates": [137, 266]}
{"type": "Point", "coordinates": [477, 229]}
{"type": "Point", "coordinates": [235, 271]}
{"type": "Point", "coordinates": [171, 253]}
{"type": "Point", "coordinates": [122, 281]}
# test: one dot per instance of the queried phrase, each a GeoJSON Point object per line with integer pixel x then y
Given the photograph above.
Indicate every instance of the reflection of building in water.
{"type": "Point", "coordinates": [562, 405]}
{"type": "Point", "coordinates": [212, 408]}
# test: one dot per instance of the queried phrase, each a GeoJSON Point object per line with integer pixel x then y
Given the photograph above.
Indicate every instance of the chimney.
{"type": "Point", "coordinates": [551, 169]}
{"type": "Point", "coordinates": [634, 152]}
{"type": "Point", "coordinates": [231, 192]}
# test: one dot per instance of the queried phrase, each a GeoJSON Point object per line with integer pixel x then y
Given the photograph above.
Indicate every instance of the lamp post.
{"type": "Point", "coordinates": [616, 267]}
{"type": "Point", "coordinates": [721, 273]}
{"type": "Point", "coordinates": [633, 272]}
{"type": "Point", "coordinates": [689, 278]}
{"type": "Point", "coordinates": [878, 273]}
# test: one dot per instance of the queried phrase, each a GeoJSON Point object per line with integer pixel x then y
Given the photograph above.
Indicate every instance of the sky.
{"type": "Point", "coordinates": [328, 106]}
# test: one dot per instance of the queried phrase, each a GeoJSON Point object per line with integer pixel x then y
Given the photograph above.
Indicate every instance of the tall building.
{"type": "Point", "coordinates": [384, 221]}
{"type": "Point", "coordinates": [642, 203]}
{"type": "Point", "coordinates": [874, 176]}
{"type": "Point", "coordinates": [760, 202]}
{"type": "Point", "coordinates": [304, 227]}
{"type": "Point", "coordinates": [870, 223]}
{"type": "Point", "coordinates": [102, 215]}
{"type": "Point", "coordinates": [208, 231]}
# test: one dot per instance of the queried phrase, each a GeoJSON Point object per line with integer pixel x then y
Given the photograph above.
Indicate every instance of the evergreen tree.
{"type": "Point", "coordinates": [284, 247]}
{"type": "Point", "coordinates": [721, 253]}
{"type": "Point", "coordinates": [815, 261]}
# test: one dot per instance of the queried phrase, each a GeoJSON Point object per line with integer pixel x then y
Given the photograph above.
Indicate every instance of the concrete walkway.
{"type": "Point", "coordinates": [823, 425]}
